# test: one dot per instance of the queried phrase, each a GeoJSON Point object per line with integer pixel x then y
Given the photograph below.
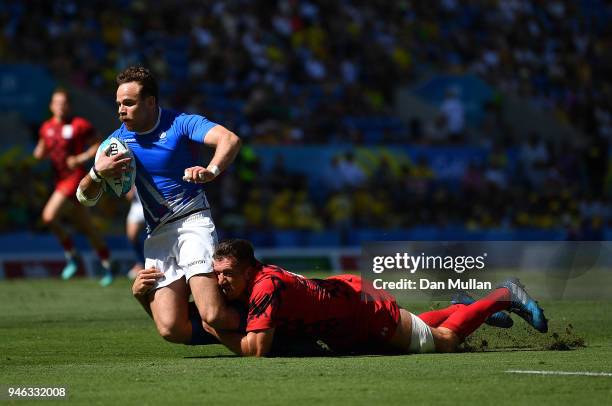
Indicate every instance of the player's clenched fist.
{"type": "Point", "coordinates": [145, 280]}
{"type": "Point", "coordinates": [199, 174]}
{"type": "Point", "coordinates": [114, 165]}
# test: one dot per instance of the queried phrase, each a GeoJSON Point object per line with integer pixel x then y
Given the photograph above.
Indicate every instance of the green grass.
{"type": "Point", "coordinates": [100, 344]}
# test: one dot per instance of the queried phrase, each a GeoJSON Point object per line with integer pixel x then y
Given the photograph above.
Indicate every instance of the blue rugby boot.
{"type": "Point", "coordinates": [109, 270]}
{"type": "Point", "coordinates": [524, 305]}
{"type": "Point", "coordinates": [107, 279]}
{"type": "Point", "coordinates": [71, 268]}
{"type": "Point", "coordinates": [499, 319]}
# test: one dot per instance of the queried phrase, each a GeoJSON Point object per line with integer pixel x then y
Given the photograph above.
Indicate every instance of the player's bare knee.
{"type": "Point", "coordinates": [446, 340]}
{"type": "Point", "coordinates": [173, 334]}
{"type": "Point", "coordinates": [212, 317]}
{"type": "Point", "coordinates": [208, 328]}
{"type": "Point", "coordinates": [170, 329]}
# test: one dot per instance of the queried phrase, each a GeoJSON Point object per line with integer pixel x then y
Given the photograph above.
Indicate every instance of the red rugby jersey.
{"type": "Point", "coordinates": [64, 139]}
{"type": "Point", "coordinates": [335, 309]}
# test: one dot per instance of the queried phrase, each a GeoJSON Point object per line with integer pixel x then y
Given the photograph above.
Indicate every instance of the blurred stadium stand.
{"type": "Point", "coordinates": [341, 107]}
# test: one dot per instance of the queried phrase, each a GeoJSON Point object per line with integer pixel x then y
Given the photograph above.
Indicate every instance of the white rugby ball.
{"type": "Point", "coordinates": [120, 185]}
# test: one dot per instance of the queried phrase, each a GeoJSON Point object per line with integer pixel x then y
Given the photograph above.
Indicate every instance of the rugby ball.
{"type": "Point", "coordinates": [120, 185]}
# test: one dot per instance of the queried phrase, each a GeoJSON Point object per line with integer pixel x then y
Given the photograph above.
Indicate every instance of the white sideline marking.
{"type": "Point", "coordinates": [516, 371]}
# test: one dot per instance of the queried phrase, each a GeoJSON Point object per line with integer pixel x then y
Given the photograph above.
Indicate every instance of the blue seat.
{"type": "Point", "coordinates": [328, 238]}
{"type": "Point", "coordinates": [289, 238]}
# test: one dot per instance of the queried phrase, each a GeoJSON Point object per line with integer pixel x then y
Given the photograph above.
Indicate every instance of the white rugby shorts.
{"type": "Point", "coordinates": [421, 339]}
{"type": "Point", "coordinates": [183, 248]}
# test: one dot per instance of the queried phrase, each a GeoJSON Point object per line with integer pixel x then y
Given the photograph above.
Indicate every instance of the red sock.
{"type": "Point", "coordinates": [67, 244]}
{"type": "Point", "coordinates": [465, 321]}
{"type": "Point", "coordinates": [103, 253]}
{"type": "Point", "coordinates": [434, 318]}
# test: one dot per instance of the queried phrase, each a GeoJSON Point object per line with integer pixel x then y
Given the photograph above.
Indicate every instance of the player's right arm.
{"type": "Point", "coordinates": [264, 302]}
{"type": "Point", "coordinates": [87, 142]}
{"type": "Point", "coordinates": [252, 344]}
{"type": "Point", "coordinates": [145, 280]}
{"type": "Point", "coordinates": [90, 189]}
{"type": "Point", "coordinates": [40, 150]}
{"type": "Point", "coordinates": [91, 186]}
{"type": "Point", "coordinates": [75, 160]}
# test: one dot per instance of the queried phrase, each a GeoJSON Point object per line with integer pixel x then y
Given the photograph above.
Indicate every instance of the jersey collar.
{"type": "Point", "coordinates": [155, 126]}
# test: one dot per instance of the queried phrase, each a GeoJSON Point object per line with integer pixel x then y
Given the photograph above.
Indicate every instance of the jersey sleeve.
{"type": "Point", "coordinates": [89, 132]}
{"type": "Point", "coordinates": [84, 135]}
{"type": "Point", "coordinates": [263, 305]}
{"type": "Point", "coordinates": [195, 127]}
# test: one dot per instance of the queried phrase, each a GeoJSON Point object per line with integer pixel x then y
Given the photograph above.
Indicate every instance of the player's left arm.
{"type": "Point", "coordinates": [226, 145]}
{"type": "Point", "coordinates": [257, 343]}
{"type": "Point", "coordinates": [93, 142]}
{"type": "Point", "coordinates": [252, 344]}
{"type": "Point", "coordinates": [76, 160]}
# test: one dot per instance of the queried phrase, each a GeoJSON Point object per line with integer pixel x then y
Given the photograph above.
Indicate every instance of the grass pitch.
{"type": "Point", "coordinates": [101, 346]}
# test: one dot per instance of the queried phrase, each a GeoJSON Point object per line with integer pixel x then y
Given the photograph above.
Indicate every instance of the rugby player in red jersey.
{"type": "Point", "coordinates": [347, 315]}
{"type": "Point", "coordinates": [69, 142]}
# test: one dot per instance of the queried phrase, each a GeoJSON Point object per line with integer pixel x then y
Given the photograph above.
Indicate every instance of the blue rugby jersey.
{"type": "Point", "coordinates": [161, 156]}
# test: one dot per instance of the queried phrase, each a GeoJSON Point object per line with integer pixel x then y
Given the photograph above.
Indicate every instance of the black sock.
{"type": "Point", "coordinates": [199, 336]}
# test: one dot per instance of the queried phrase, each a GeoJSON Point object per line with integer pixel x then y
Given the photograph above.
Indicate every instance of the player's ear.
{"type": "Point", "coordinates": [150, 101]}
{"type": "Point", "coordinates": [248, 271]}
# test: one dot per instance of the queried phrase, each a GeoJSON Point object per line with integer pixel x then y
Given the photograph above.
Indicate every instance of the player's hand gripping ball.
{"type": "Point", "coordinates": [119, 184]}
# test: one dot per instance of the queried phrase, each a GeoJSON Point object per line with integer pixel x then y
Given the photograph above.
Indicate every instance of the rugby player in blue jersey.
{"type": "Point", "coordinates": [181, 236]}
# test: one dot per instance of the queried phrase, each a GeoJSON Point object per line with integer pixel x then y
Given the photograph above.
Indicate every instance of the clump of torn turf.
{"type": "Point", "coordinates": [474, 345]}
{"type": "Point", "coordinates": [566, 342]}
{"type": "Point", "coordinates": [522, 339]}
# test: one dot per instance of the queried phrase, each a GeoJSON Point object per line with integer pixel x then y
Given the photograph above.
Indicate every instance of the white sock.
{"type": "Point", "coordinates": [106, 265]}
{"type": "Point", "coordinates": [70, 255]}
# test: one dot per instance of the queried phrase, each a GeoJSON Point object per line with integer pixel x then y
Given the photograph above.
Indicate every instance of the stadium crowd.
{"type": "Point", "coordinates": [324, 72]}
{"type": "Point", "coordinates": [547, 189]}
{"type": "Point", "coordinates": [296, 66]}
{"type": "Point", "coordinates": [541, 193]}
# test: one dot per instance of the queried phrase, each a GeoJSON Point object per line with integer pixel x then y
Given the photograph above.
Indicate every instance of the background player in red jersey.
{"type": "Point", "coordinates": [341, 311]}
{"type": "Point", "coordinates": [69, 142]}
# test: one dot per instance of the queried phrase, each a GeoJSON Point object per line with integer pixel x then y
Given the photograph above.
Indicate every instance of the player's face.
{"type": "Point", "coordinates": [232, 278]}
{"type": "Point", "coordinates": [59, 106]}
{"type": "Point", "coordinates": [137, 113]}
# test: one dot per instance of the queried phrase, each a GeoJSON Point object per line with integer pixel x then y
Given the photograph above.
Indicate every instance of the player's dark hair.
{"type": "Point", "coordinates": [241, 250]}
{"type": "Point", "coordinates": [143, 76]}
{"type": "Point", "coordinates": [62, 90]}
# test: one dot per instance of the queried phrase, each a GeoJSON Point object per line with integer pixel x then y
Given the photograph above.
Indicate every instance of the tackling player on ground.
{"type": "Point", "coordinates": [181, 234]}
{"type": "Point", "coordinates": [69, 142]}
{"type": "Point", "coordinates": [342, 311]}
